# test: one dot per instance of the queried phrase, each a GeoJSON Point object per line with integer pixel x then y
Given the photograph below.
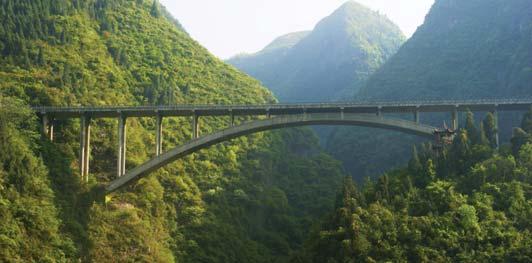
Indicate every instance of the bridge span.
{"type": "Point", "coordinates": [274, 116]}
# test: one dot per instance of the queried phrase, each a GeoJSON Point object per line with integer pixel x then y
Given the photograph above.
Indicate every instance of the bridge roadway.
{"type": "Point", "coordinates": [367, 114]}
{"type": "Point", "coordinates": [286, 109]}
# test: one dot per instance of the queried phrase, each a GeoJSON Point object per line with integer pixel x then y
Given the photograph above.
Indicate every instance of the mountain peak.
{"type": "Point", "coordinates": [352, 5]}
{"type": "Point", "coordinates": [329, 63]}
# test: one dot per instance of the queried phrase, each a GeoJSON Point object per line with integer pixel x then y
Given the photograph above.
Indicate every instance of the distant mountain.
{"type": "Point", "coordinates": [329, 63]}
{"type": "Point", "coordinates": [468, 49]}
{"type": "Point", "coordinates": [465, 49]}
{"type": "Point", "coordinates": [262, 62]}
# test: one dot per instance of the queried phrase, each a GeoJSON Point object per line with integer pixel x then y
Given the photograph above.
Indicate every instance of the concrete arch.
{"type": "Point", "coordinates": [286, 121]}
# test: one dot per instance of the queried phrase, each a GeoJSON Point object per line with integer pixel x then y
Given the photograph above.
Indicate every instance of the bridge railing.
{"type": "Point", "coordinates": [383, 103]}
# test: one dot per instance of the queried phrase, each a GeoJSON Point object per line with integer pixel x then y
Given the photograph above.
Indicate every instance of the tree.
{"type": "Point", "coordinates": [490, 129]}
{"type": "Point", "coordinates": [40, 58]}
{"type": "Point", "coordinates": [526, 123]}
{"type": "Point", "coordinates": [519, 138]}
{"type": "Point", "coordinates": [483, 138]}
{"type": "Point", "coordinates": [414, 166]}
{"type": "Point", "coordinates": [471, 128]}
{"type": "Point", "coordinates": [155, 9]}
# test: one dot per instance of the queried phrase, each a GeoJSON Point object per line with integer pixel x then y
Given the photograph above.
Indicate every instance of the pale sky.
{"type": "Point", "coordinates": [230, 27]}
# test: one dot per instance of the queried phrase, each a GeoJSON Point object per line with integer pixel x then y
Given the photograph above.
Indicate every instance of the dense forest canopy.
{"type": "Point", "coordinates": [270, 197]}
{"type": "Point", "coordinates": [250, 199]}
{"type": "Point", "coordinates": [467, 203]}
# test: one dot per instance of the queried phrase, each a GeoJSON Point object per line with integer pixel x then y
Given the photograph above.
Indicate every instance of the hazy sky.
{"type": "Point", "coordinates": [229, 27]}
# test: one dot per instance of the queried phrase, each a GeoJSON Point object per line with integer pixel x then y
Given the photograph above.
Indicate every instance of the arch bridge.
{"type": "Point", "coordinates": [272, 116]}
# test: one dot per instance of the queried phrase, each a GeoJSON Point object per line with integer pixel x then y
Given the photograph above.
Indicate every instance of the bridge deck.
{"type": "Point", "coordinates": [286, 109]}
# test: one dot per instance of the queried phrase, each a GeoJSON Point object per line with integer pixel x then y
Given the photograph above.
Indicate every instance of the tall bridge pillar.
{"type": "Point", "coordinates": [454, 119]}
{"type": "Point", "coordinates": [47, 127]}
{"type": "Point", "coordinates": [159, 135]}
{"type": "Point", "coordinates": [496, 117]}
{"type": "Point", "coordinates": [232, 118]}
{"type": "Point", "coordinates": [416, 115]}
{"type": "Point", "coordinates": [195, 126]}
{"type": "Point", "coordinates": [379, 111]}
{"type": "Point", "coordinates": [84, 155]}
{"type": "Point", "coordinates": [121, 162]}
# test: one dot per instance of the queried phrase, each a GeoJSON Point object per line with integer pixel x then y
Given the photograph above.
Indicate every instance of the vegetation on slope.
{"type": "Point", "coordinates": [30, 226]}
{"type": "Point", "coordinates": [331, 62]}
{"type": "Point", "coordinates": [236, 202]}
{"type": "Point", "coordinates": [465, 49]}
{"type": "Point", "coordinates": [469, 203]}
{"type": "Point", "coordinates": [469, 49]}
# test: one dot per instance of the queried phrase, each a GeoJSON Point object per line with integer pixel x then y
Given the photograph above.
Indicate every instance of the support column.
{"type": "Point", "coordinates": [416, 116]}
{"type": "Point", "coordinates": [51, 130]}
{"type": "Point", "coordinates": [496, 117]}
{"type": "Point", "coordinates": [121, 163]}
{"type": "Point", "coordinates": [87, 143]}
{"type": "Point", "coordinates": [159, 135]}
{"type": "Point", "coordinates": [454, 119]}
{"type": "Point", "coordinates": [379, 111]}
{"type": "Point", "coordinates": [342, 114]}
{"type": "Point", "coordinates": [47, 127]}
{"type": "Point", "coordinates": [232, 119]}
{"type": "Point", "coordinates": [82, 145]}
{"type": "Point", "coordinates": [268, 114]}
{"type": "Point", "coordinates": [195, 126]}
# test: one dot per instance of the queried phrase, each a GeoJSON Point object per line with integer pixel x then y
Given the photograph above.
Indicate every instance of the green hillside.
{"type": "Point", "coordinates": [251, 200]}
{"type": "Point", "coordinates": [329, 63]}
{"type": "Point", "coordinates": [469, 203]}
{"type": "Point", "coordinates": [469, 49]}
{"type": "Point", "coordinates": [263, 63]}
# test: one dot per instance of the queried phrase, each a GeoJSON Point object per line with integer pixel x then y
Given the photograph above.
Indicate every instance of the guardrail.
{"type": "Point", "coordinates": [285, 105]}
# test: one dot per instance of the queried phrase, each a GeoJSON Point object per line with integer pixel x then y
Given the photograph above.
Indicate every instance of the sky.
{"type": "Point", "coordinates": [230, 27]}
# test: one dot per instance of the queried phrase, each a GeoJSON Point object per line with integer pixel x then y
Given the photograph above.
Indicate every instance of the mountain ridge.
{"type": "Point", "coordinates": [349, 42]}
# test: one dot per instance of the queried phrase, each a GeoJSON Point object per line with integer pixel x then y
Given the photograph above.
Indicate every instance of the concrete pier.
{"type": "Point", "coordinates": [454, 119]}
{"type": "Point", "coordinates": [159, 135]}
{"type": "Point", "coordinates": [195, 126]}
{"type": "Point", "coordinates": [121, 161]}
{"type": "Point", "coordinates": [84, 155]}
{"type": "Point", "coordinates": [495, 113]}
{"type": "Point", "coordinates": [47, 127]}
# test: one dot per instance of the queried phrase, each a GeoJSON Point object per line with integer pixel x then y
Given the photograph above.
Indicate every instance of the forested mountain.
{"type": "Point", "coordinates": [329, 63]}
{"type": "Point", "coordinates": [471, 49]}
{"type": "Point", "coordinates": [465, 49]}
{"type": "Point", "coordinates": [250, 200]}
{"type": "Point", "coordinates": [469, 203]}
{"type": "Point", "coordinates": [262, 64]}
